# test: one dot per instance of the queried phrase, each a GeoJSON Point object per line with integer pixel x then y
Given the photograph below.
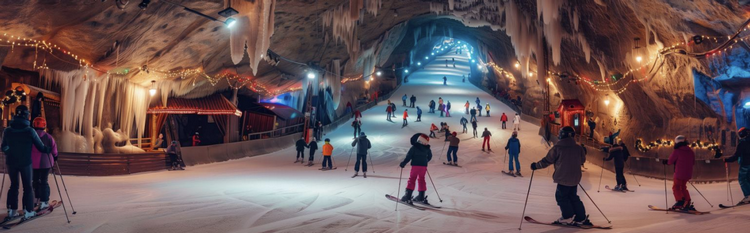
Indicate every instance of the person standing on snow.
{"type": "Point", "coordinates": [448, 109]}
{"type": "Point", "coordinates": [486, 135]}
{"type": "Point", "coordinates": [42, 163]}
{"type": "Point", "coordinates": [487, 108]}
{"type": "Point", "coordinates": [453, 147]}
{"type": "Point", "coordinates": [479, 109]}
{"type": "Point", "coordinates": [362, 144]}
{"type": "Point", "coordinates": [592, 126]}
{"type": "Point", "coordinates": [406, 115]}
{"type": "Point", "coordinates": [357, 127]}
{"type": "Point", "coordinates": [742, 153]}
{"type": "Point", "coordinates": [464, 80]}
{"type": "Point", "coordinates": [413, 100]}
{"type": "Point", "coordinates": [431, 105]}
{"type": "Point", "coordinates": [403, 98]}
{"type": "Point", "coordinates": [433, 129]}
{"type": "Point", "coordinates": [474, 125]}
{"type": "Point", "coordinates": [300, 144]}
{"type": "Point", "coordinates": [445, 81]}
{"type": "Point", "coordinates": [441, 108]}
{"type": "Point", "coordinates": [517, 123]}
{"type": "Point", "coordinates": [514, 149]}
{"type": "Point", "coordinates": [440, 100]}
{"type": "Point", "coordinates": [478, 102]}
{"type": "Point", "coordinates": [196, 139]}
{"type": "Point", "coordinates": [567, 156]}
{"type": "Point", "coordinates": [473, 114]}
{"type": "Point", "coordinates": [467, 105]}
{"type": "Point", "coordinates": [620, 156]}
{"type": "Point", "coordinates": [504, 118]}
{"type": "Point", "coordinates": [388, 112]}
{"type": "Point", "coordinates": [313, 147]}
{"type": "Point", "coordinates": [327, 152]}
{"type": "Point", "coordinates": [419, 114]}
{"type": "Point", "coordinates": [393, 110]}
{"type": "Point", "coordinates": [172, 151]}
{"type": "Point", "coordinates": [419, 155]}
{"type": "Point", "coordinates": [18, 139]}
{"type": "Point", "coordinates": [683, 158]}
{"type": "Point", "coordinates": [463, 123]}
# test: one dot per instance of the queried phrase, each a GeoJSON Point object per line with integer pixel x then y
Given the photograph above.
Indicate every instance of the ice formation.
{"type": "Point", "coordinates": [252, 34]}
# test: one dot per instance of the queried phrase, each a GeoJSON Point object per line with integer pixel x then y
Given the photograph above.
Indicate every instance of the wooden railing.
{"type": "Point", "coordinates": [81, 164]}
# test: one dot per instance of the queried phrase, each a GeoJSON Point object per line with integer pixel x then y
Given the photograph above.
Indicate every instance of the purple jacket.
{"type": "Point", "coordinates": [683, 159]}
{"type": "Point", "coordinates": [40, 160]}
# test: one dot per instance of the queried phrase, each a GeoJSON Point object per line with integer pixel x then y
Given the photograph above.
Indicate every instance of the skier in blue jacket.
{"type": "Point", "coordinates": [514, 149]}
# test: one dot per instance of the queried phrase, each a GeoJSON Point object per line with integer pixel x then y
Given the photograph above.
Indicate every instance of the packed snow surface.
{"type": "Point", "coordinates": [270, 193]}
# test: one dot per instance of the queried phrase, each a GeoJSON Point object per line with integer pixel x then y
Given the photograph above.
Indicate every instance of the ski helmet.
{"type": "Point", "coordinates": [515, 133]}
{"type": "Point", "coordinates": [742, 132]}
{"type": "Point", "coordinates": [39, 123]}
{"type": "Point", "coordinates": [454, 133]}
{"type": "Point", "coordinates": [566, 132]}
{"type": "Point", "coordinates": [328, 139]}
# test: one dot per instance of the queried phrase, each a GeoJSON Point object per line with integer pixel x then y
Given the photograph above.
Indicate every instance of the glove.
{"type": "Point", "coordinates": [55, 158]}
{"type": "Point", "coordinates": [402, 165]}
{"type": "Point", "coordinates": [533, 166]}
{"type": "Point", "coordinates": [665, 161]}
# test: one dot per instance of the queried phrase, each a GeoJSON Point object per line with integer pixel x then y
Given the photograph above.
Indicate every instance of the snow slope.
{"type": "Point", "coordinates": [270, 193]}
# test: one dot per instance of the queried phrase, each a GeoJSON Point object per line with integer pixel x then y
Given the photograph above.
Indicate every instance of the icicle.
{"type": "Point", "coordinates": [252, 34]}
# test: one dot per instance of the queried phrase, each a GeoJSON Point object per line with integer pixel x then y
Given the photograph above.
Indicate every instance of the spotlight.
{"type": "Point", "coordinates": [638, 59]}
{"type": "Point", "coordinates": [230, 22]}
{"type": "Point", "coordinates": [419, 63]}
{"type": "Point", "coordinates": [310, 75]}
{"type": "Point", "coordinates": [606, 102]}
{"type": "Point", "coordinates": [427, 57]}
{"type": "Point", "coordinates": [406, 71]}
{"type": "Point", "coordinates": [472, 60]}
{"type": "Point", "coordinates": [152, 91]}
{"type": "Point", "coordinates": [747, 104]}
{"type": "Point", "coordinates": [144, 4]}
{"type": "Point", "coordinates": [229, 12]}
{"type": "Point", "coordinates": [378, 73]}
{"type": "Point", "coordinates": [531, 74]}
{"type": "Point", "coordinates": [517, 65]}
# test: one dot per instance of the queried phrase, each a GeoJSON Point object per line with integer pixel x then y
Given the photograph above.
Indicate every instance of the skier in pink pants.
{"type": "Point", "coordinates": [419, 155]}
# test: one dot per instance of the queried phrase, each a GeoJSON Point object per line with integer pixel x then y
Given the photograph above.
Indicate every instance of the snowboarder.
{"type": "Point", "coordinates": [487, 108]}
{"type": "Point", "coordinates": [42, 163]}
{"type": "Point", "coordinates": [473, 114]}
{"type": "Point", "coordinates": [403, 98]}
{"type": "Point", "coordinates": [516, 122]}
{"type": "Point", "coordinates": [620, 156]}
{"type": "Point", "coordinates": [683, 158]}
{"type": "Point", "coordinates": [413, 100]}
{"type": "Point", "coordinates": [453, 147]}
{"type": "Point", "coordinates": [313, 147]}
{"type": "Point", "coordinates": [406, 115]}
{"type": "Point", "coordinates": [357, 127]}
{"type": "Point", "coordinates": [567, 157]}
{"type": "Point", "coordinates": [327, 152]}
{"type": "Point", "coordinates": [419, 114]}
{"type": "Point", "coordinates": [388, 112]}
{"type": "Point", "coordinates": [419, 155]}
{"type": "Point", "coordinates": [464, 122]}
{"type": "Point", "coordinates": [362, 144]}
{"type": "Point", "coordinates": [18, 139]}
{"type": "Point", "coordinates": [445, 81]}
{"type": "Point", "coordinates": [742, 153]}
{"type": "Point", "coordinates": [433, 129]}
{"type": "Point", "coordinates": [432, 106]}
{"type": "Point", "coordinates": [486, 135]}
{"type": "Point", "coordinates": [196, 139]}
{"type": "Point", "coordinates": [474, 125]}
{"type": "Point", "coordinates": [448, 109]}
{"type": "Point", "coordinates": [172, 151]}
{"type": "Point", "coordinates": [467, 105]}
{"type": "Point", "coordinates": [441, 108]}
{"type": "Point", "coordinates": [300, 144]}
{"type": "Point", "coordinates": [504, 118]}
{"type": "Point", "coordinates": [514, 149]}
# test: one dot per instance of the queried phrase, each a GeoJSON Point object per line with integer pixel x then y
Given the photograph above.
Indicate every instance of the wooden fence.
{"type": "Point", "coordinates": [81, 164]}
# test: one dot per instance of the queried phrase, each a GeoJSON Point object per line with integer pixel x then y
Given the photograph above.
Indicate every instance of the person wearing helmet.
{"type": "Point", "coordinates": [196, 139]}
{"type": "Point", "coordinates": [362, 144]}
{"type": "Point", "coordinates": [683, 159]}
{"type": "Point", "coordinates": [419, 155]}
{"type": "Point", "coordinates": [514, 149]}
{"type": "Point", "coordinates": [620, 155]}
{"type": "Point", "coordinates": [42, 163]}
{"type": "Point", "coordinates": [327, 152]}
{"type": "Point", "coordinates": [453, 148]}
{"type": "Point", "coordinates": [17, 144]}
{"type": "Point", "coordinates": [743, 155]}
{"type": "Point", "coordinates": [567, 156]}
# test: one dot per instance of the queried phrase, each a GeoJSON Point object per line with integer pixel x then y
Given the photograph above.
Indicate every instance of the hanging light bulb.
{"type": "Point", "coordinates": [638, 59]}
{"type": "Point", "coordinates": [378, 73]}
{"type": "Point", "coordinates": [152, 91]}
{"type": "Point", "coordinates": [517, 65]}
{"type": "Point", "coordinates": [310, 75]}
{"type": "Point", "coordinates": [606, 102]}
{"type": "Point", "coordinates": [419, 63]}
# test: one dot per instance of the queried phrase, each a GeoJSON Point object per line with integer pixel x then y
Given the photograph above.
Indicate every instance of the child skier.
{"type": "Point", "coordinates": [504, 119]}
{"type": "Point", "coordinates": [517, 123]}
{"type": "Point", "coordinates": [514, 149]}
{"type": "Point", "coordinates": [433, 129]}
{"type": "Point", "coordinates": [419, 114]}
{"type": "Point", "coordinates": [362, 144]}
{"type": "Point", "coordinates": [683, 158]}
{"type": "Point", "coordinates": [419, 154]}
{"type": "Point", "coordinates": [567, 157]}
{"type": "Point", "coordinates": [463, 123]}
{"type": "Point", "coordinates": [486, 135]}
{"type": "Point", "coordinates": [327, 152]}
{"type": "Point", "coordinates": [313, 147]}
{"type": "Point", "coordinates": [406, 115]}
{"type": "Point", "coordinates": [42, 163]}
{"type": "Point", "coordinates": [620, 156]}
{"type": "Point", "coordinates": [453, 147]}
{"type": "Point", "coordinates": [743, 155]}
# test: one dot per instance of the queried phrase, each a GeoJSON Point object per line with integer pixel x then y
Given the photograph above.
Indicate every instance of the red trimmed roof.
{"type": "Point", "coordinates": [571, 105]}
{"type": "Point", "coordinates": [210, 105]}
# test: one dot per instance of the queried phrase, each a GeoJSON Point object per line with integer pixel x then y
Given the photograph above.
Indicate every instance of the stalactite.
{"type": "Point", "coordinates": [252, 32]}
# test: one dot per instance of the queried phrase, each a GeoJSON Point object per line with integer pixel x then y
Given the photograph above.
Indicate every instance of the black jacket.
{"type": "Point", "coordinates": [301, 145]}
{"type": "Point", "coordinates": [313, 145]}
{"type": "Point", "coordinates": [742, 152]}
{"type": "Point", "coordinates": [619, 154]}
{"type": "Point", "coordinates": [363, 144]}
{"type": "Point", "coordinates": [486, 133]}
{"type": "Point", "coordinates": [418, 154]}
{"type": "Point", "coordinates": [17, 142]}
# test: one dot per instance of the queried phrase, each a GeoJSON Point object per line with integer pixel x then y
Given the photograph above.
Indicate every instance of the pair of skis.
{"type": "Point", "coordinates": [531, 220]}
{"type": "Point", "coordinates": [695, 212]}
{"type": "Point", "coordinates": [451, 164]}
{"type": "Point", "coordinates": [328, 169]}
{"type": "Point", "coordinates": [732, 206]}
{"type": "Point", "coordinates": [419, 205]}
{"type": "Point", "coordinates": [40, 213]}
{"type": "Point", "coordinates": [511, 174]}
{"type": "Point", "coordinates": [614, 190]}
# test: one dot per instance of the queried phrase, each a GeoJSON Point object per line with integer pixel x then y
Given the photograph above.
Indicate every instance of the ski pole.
{"type": "Point", "coordinates": [505, 156]}
{"type": "Point", "coordinates": [592, 201]}
{"type": "Point", "coordinates": [59, 193]}
{"type": "Point", "coordinates": [666, 203]}
{"type": "Point", "coordinates": [59, 172]}
{"type": "Point", "coordinates": [699, 192]}
{"type": "Point", "coordinates": [527, 199]}
{"type": "Point", "coordinates": [398, 192]}
{"type": "Point", "coordinates": [371, 163]}
{"type": "Point", "coordinates": [631, 172]}
{"type": "Point", "coordinates": [600, 177]}
{"type": "Point", "coordinates": [350, 159]}
{"type": "Point", "coordinates": [433, 185]}
{"type": "Point", "coordinates": [729, 187]}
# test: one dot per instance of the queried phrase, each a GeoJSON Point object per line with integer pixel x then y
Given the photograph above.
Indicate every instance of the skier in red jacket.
{"type": "Point", "coordinates": [504, 119]}
{"type": "Point", "coordinates": [683, 160]}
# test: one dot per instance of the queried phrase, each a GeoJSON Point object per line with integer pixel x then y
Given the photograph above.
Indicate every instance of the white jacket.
{"type": "Point", "coordinates": [517, 119]}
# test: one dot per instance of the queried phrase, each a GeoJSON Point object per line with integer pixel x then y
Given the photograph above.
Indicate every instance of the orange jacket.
{"type": "Point", "coordinates": [433, 127]}
{"type": "Point", "coordinates": [406, 114]}
{"type": "Point", "coordinates": [327, 149]}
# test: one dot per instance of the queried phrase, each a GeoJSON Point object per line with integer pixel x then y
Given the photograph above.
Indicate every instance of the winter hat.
{"type": "Point", "coordinates": [39, 123]}
{"type": "Point", "coordinates": [454, 133]}
{"type": "Point", "coordinates": [742, 132]}
{"type": "Point", "coordinates": [423, 139]}
{"type": "Point", "coordinates": [328, 140]}
{"type": "Point", "coordinates": [362, 134]}
{"type": "Point", "coordinates": [515, 133]}
{"type": "Point", "coordinates": [679, 138]}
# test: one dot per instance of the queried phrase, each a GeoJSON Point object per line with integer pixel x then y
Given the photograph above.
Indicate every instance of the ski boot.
{"type": "Point", "coordinates": [11, 214]}
{"type": "Point", "coordinates": [355, 174]}
{"type": "Point", "coordinates": [624, 187]}
{"type": "Point", "coordinates": [689, 207]}
{"type": "Point", "coordinates": [745, 201]}
{"type": "Point", "coordinates": [617, 188]}
{"type": "Point", "coordinates": [29, 215]}
{"type": "Point", "coordinates": [483, 150]}
{"type": "Point", "coordinates": [678, 205]}
{"type": "Point", "coordinates": [563, 221]}
{"type": "Point", "coordinates": [583, 224]}
{"type": "Point", "coordinates": [421, 198]}
{"type": "Point", "coordinates": [43, 205]}
{"type": "Point", "coordinates": [364, 174]}
{"type": "Point", "coordinates": [518, 173]}
{"type": "Point", "coordinates": [407, 197]}
{"type": "Point", "coordinates": [310, 163]}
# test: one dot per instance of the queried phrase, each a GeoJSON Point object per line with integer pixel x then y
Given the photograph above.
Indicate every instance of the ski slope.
{"type": "Point", "coordinates": [270, 193]}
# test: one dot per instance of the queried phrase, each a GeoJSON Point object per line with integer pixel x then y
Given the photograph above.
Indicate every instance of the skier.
{"type": "Point", "coordinates": [406, 115]}
{"type": "Point", "coordinates": [432, 106]}
{"type": "Point", "coordinates": [514, 149]}
{"type": "Point", "coordinates": [362, 144]}
{"type": "Point", "coordinates": [474, 125]}
{"type": "Point", "coordinates": [463, 123]}
{"type": "Point", "coordinates": [358, 115]}
{"type": "Point", "coordinates": [320, 131]}
{"type": "Point", "coordinates": [446, 63]}
{"type": "Point", "coordinates": [403, 98]}
{"type": "Point", "coordinates": [448, 109]}
{"type": "Point", "coordinates": [504, 118]}
{"type": "Point", "coordinates": [419, 114]}
{"type": "Point", "coordinates": [453, 147]}
{"type": "Point", "coordinates": [419, 154]}
{"type": "Point", "coordinates": [477, 101]}
{"type": "Point", "coordinates": [517, 123]}
{"type": "Point", "coordinates": [487, 108]}
{"type": "Point", "coordinates": [196, 139]}
{"type": "Point", "coordinates": [440, 100]}
{"type": "Point", "coordinates": [473, 114]}
{"type": "Point", "coordinates": [441, 108]}
{"type": "Point", "coordinates": [172, 151]}
{"type": "Point", "coordinates": [42, 163]}
{"type": "Point", "coordinates": [445, 81]}
{"type": "Point", "coordinates": [467, 105]}
{"type": "Point", "coordinates": [567, 157]}
{"type": "Point", "coordinates": [486, 135]}
{"type": "Point", "coordinates": [300, 144]}
{"type": "Point", "coordinates": [620, 156]}
{"type": "Point", "coordinates": [433, 129]}
{"type": "Point", "coordinates": [357, 127]}
{"type": "Point", "coordinates": [388, 112]}
{"type": "Point", "coordinates": [313, 147]}
{"type": "Point", "coordinates": [393, 110]}
{"type": "Point", "coordinates": [447, 132]}
{"type": "Point", "coordinates": [327, 152]}
{"type": "Point", "coordinates": [413, 100]}
{"type": "Point", "coordinates": [683, 158]}
{"type": "Point", "coordinates": [479, 109]}
{"type": "Point", "coordinates": [18, 139]}
{"type": "Point", "coordinates": [464, 80]}
{"type": "Point", "coordinates": [592, 126]}
{"type": "Point", "coordinates": [742, 153]}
